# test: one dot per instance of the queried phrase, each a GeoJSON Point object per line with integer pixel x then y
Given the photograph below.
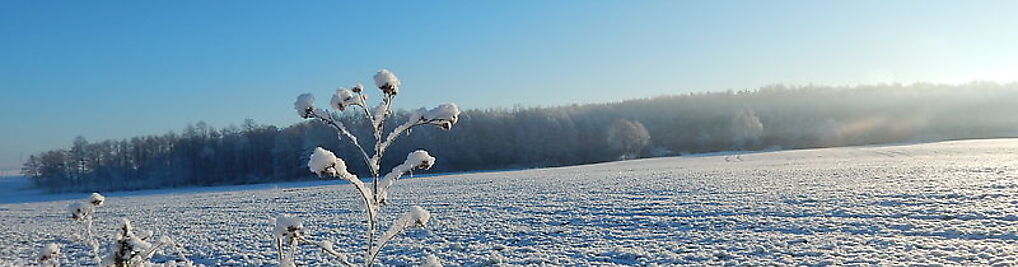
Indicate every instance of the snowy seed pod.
{"type": "Point", "coordinates": [80, 210]}
{"type": "Point", "coordinates": [419, 159]}
{"type": "Point", "coordinates": [344, 98]}
{"type": "Point", "coordinates": [126, 229]}
{"type": "Point", "coordinates": [387, 82]}
{"type": "Point", "coordinates": [324, 163]}
{"type": "Point", "coordinates": [445, 115]}
{"type": "Point", "coordinates": [49, 254]}
{"type": "Point", "coordinates": [288, 228]}
{"type": "Point", "coordinates": [419, 216]}
{"type": "Point", "coordinates": [96, 199]}
{"type": "Point", "coordinates": [304, 105]}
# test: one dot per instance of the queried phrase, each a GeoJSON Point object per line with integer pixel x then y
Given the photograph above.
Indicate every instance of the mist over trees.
{"type": "Point", "coordinates": [773, 117]}
{"type": "Point", "coordinates": [630, 138]}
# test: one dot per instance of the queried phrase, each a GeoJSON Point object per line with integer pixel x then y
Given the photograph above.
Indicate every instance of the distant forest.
{"type": "Point", "coordinates": [773, 117]}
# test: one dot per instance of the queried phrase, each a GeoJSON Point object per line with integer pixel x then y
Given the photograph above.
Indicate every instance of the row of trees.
{"type": "Point", "coordinates": [768, 118]}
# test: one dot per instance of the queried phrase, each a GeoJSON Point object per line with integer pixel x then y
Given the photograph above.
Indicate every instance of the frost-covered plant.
{"type": "Point", "coordinates": [289, 232]}
{"type": "Point", "coordinates": [135, 250]}
{"type": "Point", "coordinates": [49, 255]}
{"type": "Point", "coordinates": [128, 249]}
{"type": "Point", "coordinates": [325, 164]}
{"type": "Point", "coordinates": [82, 212]}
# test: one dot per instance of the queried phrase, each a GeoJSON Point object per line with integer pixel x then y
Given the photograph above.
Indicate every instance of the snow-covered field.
{"type": "Point", "coordinates": [950, 203]}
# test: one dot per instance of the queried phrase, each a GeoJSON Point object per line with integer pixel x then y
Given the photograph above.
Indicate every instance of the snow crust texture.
{"type": "Point", "coordinates": [950, 203]}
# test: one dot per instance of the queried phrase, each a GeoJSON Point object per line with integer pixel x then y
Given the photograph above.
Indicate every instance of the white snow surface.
{"type": "Point", "coordinates": [950, 203]}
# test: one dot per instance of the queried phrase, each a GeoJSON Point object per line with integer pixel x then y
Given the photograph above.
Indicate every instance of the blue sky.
{"type": "Point", "coordinates": [116, 69]}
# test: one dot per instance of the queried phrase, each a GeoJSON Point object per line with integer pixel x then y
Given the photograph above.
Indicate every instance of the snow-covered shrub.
{"type": "Point", "coordinates": [325, 164]}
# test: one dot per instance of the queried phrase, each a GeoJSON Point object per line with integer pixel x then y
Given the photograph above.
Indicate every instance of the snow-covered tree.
{"type": "Point", "coordinates": [630, 138]}
{"type": "Point", "coordinates": [746, 129]}
{"type": "Point", "coordinates": [324, 163]}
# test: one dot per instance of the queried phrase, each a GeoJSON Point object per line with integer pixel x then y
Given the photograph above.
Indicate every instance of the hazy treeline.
{"type": "Point", "coordinates": [773, 117]}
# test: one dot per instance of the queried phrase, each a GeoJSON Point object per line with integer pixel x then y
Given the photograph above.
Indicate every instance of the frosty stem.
{"type": "Point", "coordinates": [328, 250]}
{"type": "Point", "coordinates": [375, 163]}
{"type": "Point", "coordinates": [345, 133]}
{"type": "Point", "coordinates": [372, 254]}
{"type": "Point", "coordinates": [90, 238]}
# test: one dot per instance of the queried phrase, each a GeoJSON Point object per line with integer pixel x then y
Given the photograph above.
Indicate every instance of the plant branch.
{"type": "Point", "coordinates": [328, 250]}
{"type": "Point", "coordinates": [344, 132]}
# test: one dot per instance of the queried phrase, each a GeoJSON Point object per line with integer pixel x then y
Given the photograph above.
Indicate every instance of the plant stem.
{"type": "Point", "coordinates": [353, 139]}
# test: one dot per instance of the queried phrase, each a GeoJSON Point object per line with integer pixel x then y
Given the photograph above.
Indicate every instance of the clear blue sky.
{"type": "Point", "coordinates": [115, 69]}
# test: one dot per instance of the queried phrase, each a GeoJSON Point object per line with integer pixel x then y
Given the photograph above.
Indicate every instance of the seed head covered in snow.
{"type": "Point", "coordinates": [96, 199]}
{"type": "Point", "coordinates": [419, 159]}
{"type": "Point", "coordinates": [49, 254]}
{"type": "Point", "coordinates": [304, 105]}
{"type": "Point", "coordinates": [288, 228]}
{"type": "Point", "coordinates": [344, 98]}
{"type": "Point", "coordinates": [431, 261]}
{"type": "Point", "coordinates": [128, 248]}
{"type": "Point", "coordinates": [126, 229]}
{"type": "Point", "coordinates": [357, 88]}
{"type": "Point", "coordinates": [444, 115]}
{"type": "Point", "coordinates": [325, 163]}
{"type": "Point", "coordinates": [387, 81]}
{"type": "Point", "coordinates": [418, 217]}
{"type": "Point", "coordinates": [80, 210]}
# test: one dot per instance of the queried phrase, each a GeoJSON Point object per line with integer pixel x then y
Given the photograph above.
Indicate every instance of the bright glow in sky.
{"type": "Point", "coordinates": [115, 70]}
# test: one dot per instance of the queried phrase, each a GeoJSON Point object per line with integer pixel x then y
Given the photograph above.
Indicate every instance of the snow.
{"type": "Point", "coordinates": [325, 163]}
{"type": "Point", "coordinates": [287, 227]}
{"type": "Point", "coordinates": [448, 111]}
{"type": "Point", "coordinates": [304, 104]}
{"type": "Point", "coordinates": [950, 203]}
{"type": "Point", "coordinates": [344, 98]}
{"type": "Point", "coordinates": [387, 82]}
{"type": "Point", "coordinates": [80, 210]}
{"type": "Point", "coordinates": [95, 199]}
{"type": "Point", "coordinates": [431, 261]}
{"type": "Point", "coordinates": [445, 115]}
{"type": "Point", "coordinates": [49, 255]}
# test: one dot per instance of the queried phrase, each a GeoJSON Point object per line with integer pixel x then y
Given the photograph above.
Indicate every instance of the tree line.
{"type": "Point", "coordinates": [772, 117]}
